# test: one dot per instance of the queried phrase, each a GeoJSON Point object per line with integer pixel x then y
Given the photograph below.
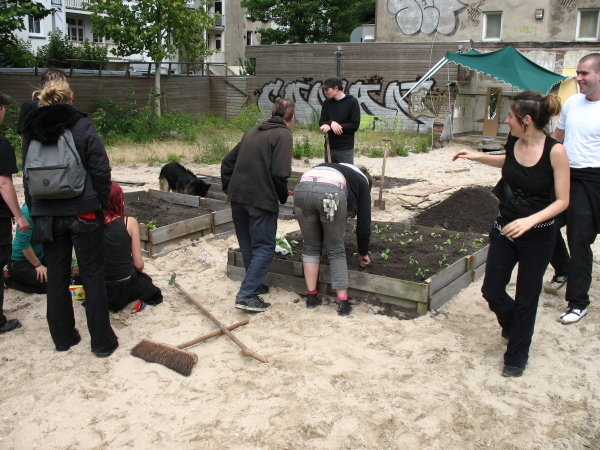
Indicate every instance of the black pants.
{"type": "Point", "coordinates": [580, 236]}
{"type": "Point", "coordinates": [138, 286]}
{"type": "Point", "coordinates": [86, 236]}
{"type": "Point", "coordinates": [532, 252]}
{"type": "Point", "coordinates": [23, 277]}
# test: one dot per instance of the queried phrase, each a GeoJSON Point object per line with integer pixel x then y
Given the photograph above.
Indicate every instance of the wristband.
{"type": "Point", "coordinates": [37, 265]}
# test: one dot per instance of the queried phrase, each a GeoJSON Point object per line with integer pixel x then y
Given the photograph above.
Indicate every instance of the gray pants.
{"type": "Point", "coordinates": [318, 230]}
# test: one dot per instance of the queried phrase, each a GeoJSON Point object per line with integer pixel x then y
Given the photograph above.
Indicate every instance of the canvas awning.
{"type": "Point", "coordinates": [507, 65]}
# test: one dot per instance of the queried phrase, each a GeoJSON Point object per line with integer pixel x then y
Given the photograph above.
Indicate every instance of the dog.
{"type": "Point", "coordinates": [176, 178]}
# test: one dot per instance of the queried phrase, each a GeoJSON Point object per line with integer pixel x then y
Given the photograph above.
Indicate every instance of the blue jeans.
{"type": "Point", "coordinates": [318, 230]}
{"type": "Point", "coordinates": [87, 237]}
{"type": "Point", "coordinates": [517, 316]}
{"type": "Point", "coordinates": [255, 229]}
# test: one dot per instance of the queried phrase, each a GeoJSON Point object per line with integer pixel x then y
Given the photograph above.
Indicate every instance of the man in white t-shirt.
{"type": "Point", "coordinates": [578, 128]}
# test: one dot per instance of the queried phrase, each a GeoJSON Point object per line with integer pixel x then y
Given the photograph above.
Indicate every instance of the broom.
{"type": "Point", "coordinates": [174, 357]}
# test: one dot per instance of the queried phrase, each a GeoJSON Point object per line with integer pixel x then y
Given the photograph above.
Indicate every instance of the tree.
{"type": "Point", "coordinates": [157, 27]}
{"type": "Point", "coordinates": [13, 12]}
{"type": "Point", "coordinates": [307, 21]}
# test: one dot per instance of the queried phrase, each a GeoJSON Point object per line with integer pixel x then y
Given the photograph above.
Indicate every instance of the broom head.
{"type": "Point", "coordinates": [174, 358]}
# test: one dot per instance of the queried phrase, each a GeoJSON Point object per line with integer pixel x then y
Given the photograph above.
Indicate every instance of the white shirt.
{"type": "Point", "coordinates": [580, 119]}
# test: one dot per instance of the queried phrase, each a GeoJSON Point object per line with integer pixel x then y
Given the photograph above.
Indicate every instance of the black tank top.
{"type": "Point", "coordinates": [117, 243]}
{"type": "Point", "coordinates": [523, 191]}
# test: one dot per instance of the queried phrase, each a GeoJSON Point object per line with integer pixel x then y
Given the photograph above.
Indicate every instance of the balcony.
{"type": "Point", "coordinates": [81, 5]}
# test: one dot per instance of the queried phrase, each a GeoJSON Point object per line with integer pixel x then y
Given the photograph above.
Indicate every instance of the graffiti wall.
{"type": "Point", "coordinates": [426, 16]}
{"type": "Point", "coordinates": [382, 105]}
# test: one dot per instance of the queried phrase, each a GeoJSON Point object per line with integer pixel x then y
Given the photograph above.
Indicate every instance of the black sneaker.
{"type": "Point", "coordinates": [10, 325]}
{"type": "Point", "coordinates": [344, 308]}
{"type": "Point", "coordinates": [254, 303]}
{"type": "Point", "coordinates": [313, 300]}
{"type": "Point", "coordinates": [264, 289]}
{"type": "Point", "coordinates": [512, 371]}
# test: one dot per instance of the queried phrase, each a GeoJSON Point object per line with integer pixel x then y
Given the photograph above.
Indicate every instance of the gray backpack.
{"type": "Point", "coordinates": [54, 171]}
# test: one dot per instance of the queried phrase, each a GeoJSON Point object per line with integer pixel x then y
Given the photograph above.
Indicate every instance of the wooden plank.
{"type": "Point", "coordinates": [174, 197]}
{"type": "Point", "coordinates": [479, 257]}
{"type": "Point", "coordinates": [221, 217]}
{"type": "Point", "coordinates": [445, 294]}
{"type": "Point", "coordinates": [129, 183]}
{"type": "Point", "coordinates": [449, 274]}
{"type": "Point", "coordinates": [180, 229]}
{"type": "Point", "coordinates": [172, 244]}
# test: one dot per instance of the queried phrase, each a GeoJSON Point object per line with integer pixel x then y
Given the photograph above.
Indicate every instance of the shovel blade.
{"type": "Point", "coordinates": [380, 204]}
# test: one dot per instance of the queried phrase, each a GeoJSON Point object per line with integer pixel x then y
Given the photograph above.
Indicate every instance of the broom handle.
{"type": "Point", "coordinates": [211, 335]}
{"type": "Point", "coordinates": [222, 327]}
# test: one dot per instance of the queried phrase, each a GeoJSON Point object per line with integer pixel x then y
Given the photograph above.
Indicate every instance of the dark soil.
{"type": "Point", "coordinates": [391, 182]}
{"type": "Point", "coordinates": [397, 252]}
{"type": "Point", "coordinates": [147, 208]}
{"type": "Point", "coordinates": [470, 209]}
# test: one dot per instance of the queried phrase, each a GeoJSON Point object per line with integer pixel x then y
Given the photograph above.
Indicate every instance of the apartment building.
{"type": "Point", "coordinates": [228, 38]}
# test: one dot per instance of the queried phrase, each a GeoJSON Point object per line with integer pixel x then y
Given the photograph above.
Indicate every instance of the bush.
{"type": "Point", "coordinates": [214, 153]}
{"type": "Point", "coordinates": [399, 149]}
{"type": "Point", "coordinates": [60, 49]}
{"type": "Point", "coordinates": [303, 149]}
{"type": "Point", "coordinates": [374, 153]}
{"type": "Point", "coordinates": [249, 117]}
{"type": "Point", "coordinates": [16, 53]}
{"type": "Point", "coordinates": [422, 146]}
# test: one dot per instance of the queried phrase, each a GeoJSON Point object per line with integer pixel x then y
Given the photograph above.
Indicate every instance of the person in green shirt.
{"type": "Point", "coordinates": [27, 270]}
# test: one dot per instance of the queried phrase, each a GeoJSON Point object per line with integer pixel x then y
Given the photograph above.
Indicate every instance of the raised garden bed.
{"type": "Point", "coordinates": [414, 275]}
{"type": "Point", "coordinates": [286, 211]}
{"type": "Point", "coordinates": [167, 218]}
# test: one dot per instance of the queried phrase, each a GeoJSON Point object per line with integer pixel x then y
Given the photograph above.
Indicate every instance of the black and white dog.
{"type": "Point", "coordinates": [176, 178]}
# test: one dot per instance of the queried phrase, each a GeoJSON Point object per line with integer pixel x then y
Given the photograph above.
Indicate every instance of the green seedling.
{"type": "Point", "coordinates": [151, 224]}
{"type": "Point", "coordinates": [435, 235]}
{"type": "Point", "coordinates": [412, 261]}
{"type": "Point", "coordinates": [478, 243]}
{"type": "Point", "coordinates": [421, 272]}
{"type": "Point", "coordinates": [419, 239]}
{"type": "Point", "coordinates": [385, 254]}
{"type": "Point", "coordinates": [442, 262]}
{"type": "Point", "coordinates": [447, 242]}
{"type": "Point", "coordinates": [438, 247]}
{"type": "Point", "coordinates": [463, 248]}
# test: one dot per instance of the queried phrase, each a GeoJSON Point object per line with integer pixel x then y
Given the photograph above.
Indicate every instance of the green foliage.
{"type": "Point", "coordinates": [9, 129]}
{"type": "Point", "coordinates": [400, 149]}
{"type": "Point", "coordinates": [315, 21]}
{"type": "Point", "coordinates": [215, 151]}
{"type": "Point", "coordinates": [374, 153]}
{"type": "Point", "coordinates": [14, 12]}
{"type": "Point", "coordinates": [16, 53]}
{"type": "Point", "coordinates": [422, 146]}
{"type": "Point", "coordinates": [303, 149]}
{"type": "Point", "coordinates": [249, 117]}
{"type": "Point", "coordinates": [60, 49]}
{"type": "Point", "coordinates": [248, 66]}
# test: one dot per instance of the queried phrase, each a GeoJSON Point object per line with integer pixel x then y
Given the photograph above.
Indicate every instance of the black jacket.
{"type": "Point", "coordinates": [255, 171]}
{"type": "Point", "coordinates": [46, 124]}
{"type": "Point", "coordinates": [346, 112]}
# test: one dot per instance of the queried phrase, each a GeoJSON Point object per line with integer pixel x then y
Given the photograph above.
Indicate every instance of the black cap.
{"type": "Point", "coordinates": [333, 82]}
{"type": "Point", "coordinates": [5, 99]}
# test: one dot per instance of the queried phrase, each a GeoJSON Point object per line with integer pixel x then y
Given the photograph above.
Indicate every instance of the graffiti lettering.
{"type": "Point", "coordinates": [474, 12]}
{"type": "Point", "coordinates": [414, 113]}
{"type": "Point", "coordinates": [569, 4]}
{"type": "Point", "coordinates": [527, 29]}
{"type": "Point", "coordinates": [426, 16]}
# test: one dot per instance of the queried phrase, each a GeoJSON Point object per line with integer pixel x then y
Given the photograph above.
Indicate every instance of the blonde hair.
{"type": "Point", "coordinates": [55, 91]}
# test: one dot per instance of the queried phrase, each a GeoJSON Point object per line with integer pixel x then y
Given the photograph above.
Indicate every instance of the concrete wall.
{"type": "Point", "coordinates": [443, 20]}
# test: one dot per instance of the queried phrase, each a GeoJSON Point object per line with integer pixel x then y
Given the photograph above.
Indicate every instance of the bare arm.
{"type": "Point", "coordinates": [490, 160]}
{"type": "Point", "coordinates": [41, 272]}
{"type": "Point", "coordinates": [560, 165]}
{"type": "Point", "coordinates": [133, 228]}
{"type": "Point", "coordinates": [7, 190]}
{"type": "Point", "coordinates": [558, 134]}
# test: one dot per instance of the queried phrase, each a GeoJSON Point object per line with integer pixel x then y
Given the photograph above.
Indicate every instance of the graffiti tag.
{"type": "Point", "coordinates": [426, 16]}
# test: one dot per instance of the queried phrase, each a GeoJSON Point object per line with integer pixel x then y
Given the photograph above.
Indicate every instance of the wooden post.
{"type": "Point", "coordinates": [381, 203]}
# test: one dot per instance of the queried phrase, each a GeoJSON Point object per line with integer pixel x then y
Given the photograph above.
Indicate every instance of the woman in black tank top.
{"type": "Point", "coordinates": [534, 189]}
{"type": "Point", "coordinates": [124, 277]}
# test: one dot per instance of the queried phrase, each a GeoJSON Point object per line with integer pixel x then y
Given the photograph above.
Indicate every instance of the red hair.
{"type": "Point", "coordinates": [115, 206]}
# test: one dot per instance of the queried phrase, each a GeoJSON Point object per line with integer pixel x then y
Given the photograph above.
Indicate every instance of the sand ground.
{"type": "Point", "coordinates": [364, 381]}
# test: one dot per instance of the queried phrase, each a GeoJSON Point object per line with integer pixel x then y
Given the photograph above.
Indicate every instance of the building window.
{"type": "Point", "coordinates": [248, 37]}
{"type": "Point", "coordinates": [492, 25]}
{"type": "Point", "coordinates": [218, 42]}
{"type": "Point", "coordinates": [98, 39]}
{"type": "Point", "coordinates": [75, 29]}
{"type": "Point", "coordinates": [35, 26]}
{"type": "Point", "coordinates": [587, 24]}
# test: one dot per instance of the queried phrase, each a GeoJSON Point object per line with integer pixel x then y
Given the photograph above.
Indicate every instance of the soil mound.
{"type": "Point", "coordinates": [470, 209]}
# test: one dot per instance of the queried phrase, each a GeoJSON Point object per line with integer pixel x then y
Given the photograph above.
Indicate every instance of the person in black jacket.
{"type": "Point", "coordinates": [9, 208]}
{"type": "Point", "coordinates": [64, 224]}
{"type": "Point", "coordinates": [323, 197]}
{"type": "Point", "coordinates": [340, 118]}
{"type": "Point", "coordinates": [254, 176]}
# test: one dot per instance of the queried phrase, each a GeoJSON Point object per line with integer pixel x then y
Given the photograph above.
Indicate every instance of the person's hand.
{"type": "Point", "coordinates": [364, 261]}
{"type": "Point", "coordinates": [336, 127]}
{"type": "Point", "coordinates": [463, 154]}
{"type": "Point", "coordinates": [517, 228]}
{"type": "Point", "coordinates": [41, 273]}
{"type": "Point", "coordinates": [22, 223]}
{"type": "Point", "coordinates": [325, 128]}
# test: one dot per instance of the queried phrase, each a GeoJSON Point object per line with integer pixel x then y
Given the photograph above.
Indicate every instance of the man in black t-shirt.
{"type": "Point", "coordinates": [9, 208]}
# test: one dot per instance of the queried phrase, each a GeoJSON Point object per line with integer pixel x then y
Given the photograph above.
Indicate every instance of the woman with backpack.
{"type": "Point", "coordinates": [64, 224]}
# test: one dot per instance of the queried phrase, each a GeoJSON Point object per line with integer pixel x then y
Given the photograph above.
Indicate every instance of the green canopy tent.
{"type": "Point", "coordinates": [506, 65]}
